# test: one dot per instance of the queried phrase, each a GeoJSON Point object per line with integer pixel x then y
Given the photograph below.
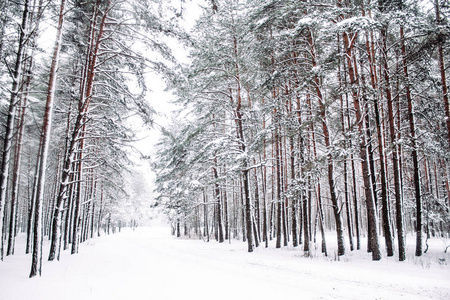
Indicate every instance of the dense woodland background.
{"type": "Point", "coordinates": [296, 117]}
{"type": "Point", "coordinates": [308, 116]}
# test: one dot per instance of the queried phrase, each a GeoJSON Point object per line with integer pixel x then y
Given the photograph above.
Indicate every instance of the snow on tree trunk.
{"type": "Point", "coordinates": [78, 130]}
{"type": "Point", "coordinates": [9, 130]}
{"type": "Point", "coordinates": [46, 129]}
{"type": "Point", "coordinates": [370, 204]}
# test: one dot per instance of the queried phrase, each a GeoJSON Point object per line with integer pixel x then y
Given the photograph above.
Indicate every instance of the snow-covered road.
{"type": "Point", "coordinates": [150, 264]}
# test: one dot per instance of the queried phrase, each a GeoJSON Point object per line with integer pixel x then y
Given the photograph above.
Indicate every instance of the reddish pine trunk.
{"type": "Point", "coordinates": [370, 204]}
{"type": "Point", "coordinates": [86, 88]}
{"type": "Point", "coordinates": [42, 159]}
{"type": "Point", "coordinates": [331, 183]}
{"type": "Point", "coordinates": [395, 154]}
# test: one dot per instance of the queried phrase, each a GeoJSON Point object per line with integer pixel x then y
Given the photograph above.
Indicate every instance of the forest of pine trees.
{"type": "Point", "coordinates": [72, 80]}
{"type": "Point", "coordinates": [297, 118]}
{"type": "Point", "coordinates": [305, 117]}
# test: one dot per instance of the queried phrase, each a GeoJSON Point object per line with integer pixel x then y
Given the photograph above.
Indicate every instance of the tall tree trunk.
{"type": "Point", "coordinates": [354, 184]}
{"type": "Point", "coordinates": [77, 217]}
{"type": "Point", "coordinates": [86, 89]}
{"type": "Point", "coordinates": [28, 66]}
{"type": "Point", "coordinates": [330, 163]}
{"type": "Point", "coordinates": [264, 187]}
{"type": "Point", "coordinates": [218, 204]}
{"type": "Point", "coordinates": [441, 59]}
{"type": "Point", "coordinates": [32, 208]}
{"type": "Point", "coordinates": [100, 213]}
{"type": "Point", "coordinates": [345, 146]}
{"type": "Point", "coordinates": [16, 176]}
{"type": "Point", "coordinates": [346, 190]}
{"type": "Point", "coordinates": [414, 149]}
{"type": "Point", "coordinates": [205, 216]}
{"type": "Point", "coordinates": [306, 225]}
{"type": "Point", "coordinates": [322, 225]}
{"type": "Point", "coordinates": [242, 210]}
{"type": "Point", "coordinates": [284, 204]}
{"type": "Point", "coordinates": [257, 207]}
{"type": "Point", "coordinates": [225, 210]}
{"type": "Point", "coordinates": [278, 184]}
{"type": "Point", "coordinates": [319, 191]}
{"type": "Point", "coordinates": [46, 128]}
{"type": "Point", "coordinates": [383, 177]}
{"type": "Point", "coordinates": [245, 170]}
{"type": "Point", "coordinates": [384, 201]}
{"type": "Point", "coordinates": [68, 216]}
{"type": "Point", "coordinates": [294, 199]}
{"type": "Point", "coordinates": [349, 39]}
{"type": "Point", "coordinates": [9, 130]}
{"type": "Point", "coordinates": [395, 154]}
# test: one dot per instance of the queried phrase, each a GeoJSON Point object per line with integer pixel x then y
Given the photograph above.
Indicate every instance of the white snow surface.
{"type": "Point", "coordinates": [149, 263]}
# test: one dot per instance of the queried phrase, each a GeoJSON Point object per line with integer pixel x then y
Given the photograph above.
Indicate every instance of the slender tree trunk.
{"type": "Point", "coordinates": [330, 164]}
{"type": "Point", "coordinates": [257, 208]}
{"type": "Point", "coordinates": [77, 217]}
{"type": "Point", "coordinates": [347, 201]}
{"type": "Point", "coordinates": [29, 66]}
{"type": "Point", "coordinates": [205, 215]}
{"type": "Point", "coordinates": [322, 225]}
{"type": "Point", "coordinates": [245, 171]}
{"type": "Point", "coordinates": [354, 185]}
{"type": "Point", "coordinates": [9, 130]}
{"type": "Point", "coordinates": [242, 210]}
{"type": "Point", "coordinates": [395, 154]}
{"type": "Point", "coordinates": [264, 188]}
{"type": "Point", "coordinates": [383, 177]}
{"type": "Point", "coordinates": [284, 205]}
{"type": "Point", "coordinates": [100, 213]}
{"type": "Point", "coordinates": [218, 204]}
{"type": "Point", "coordinates": [16, 177]}
{"type": "Point", "coordinates": [384, 201]}
{"type": "Point", "coordinates": [294, 201]}
{"type": "Point", "coordinates": [68, 217]}
{"type": "Point", "coordinates": [79, 127]}
{"type": "Point", "coordinates": [441, 59]}
{"type": "Point", "coordinates": [319, 191]}
{"type": "Point", "coordinates": [345, 145]}
{"type": "Point", "coordinates": [370, 204]}
{"type": "Point", "coordinates": [414, 150]}
{"type": "Point", "coordinates": [92, 221]}
{"type": "Point", "coordinates": [278, 183]}
{"type": "Point", "coordinates": [306, 233]}
{"type": "Point", "coordinates": [31, 212]}
{"type": "Point", "coordinates": [225, 210]}
{"type": "Point", "coordinates": [46, 128]}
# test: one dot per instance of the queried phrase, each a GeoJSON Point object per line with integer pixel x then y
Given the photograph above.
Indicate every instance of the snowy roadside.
{"type": "Point", "coordinates": [150, 264]}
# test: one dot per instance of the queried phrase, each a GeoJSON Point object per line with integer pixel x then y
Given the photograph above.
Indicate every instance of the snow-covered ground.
{"type": "Point", "coordinates": [148, 263]}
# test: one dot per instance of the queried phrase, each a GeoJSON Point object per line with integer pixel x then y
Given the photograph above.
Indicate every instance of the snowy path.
{"type": "Point", "coordinates": [150, 264]}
